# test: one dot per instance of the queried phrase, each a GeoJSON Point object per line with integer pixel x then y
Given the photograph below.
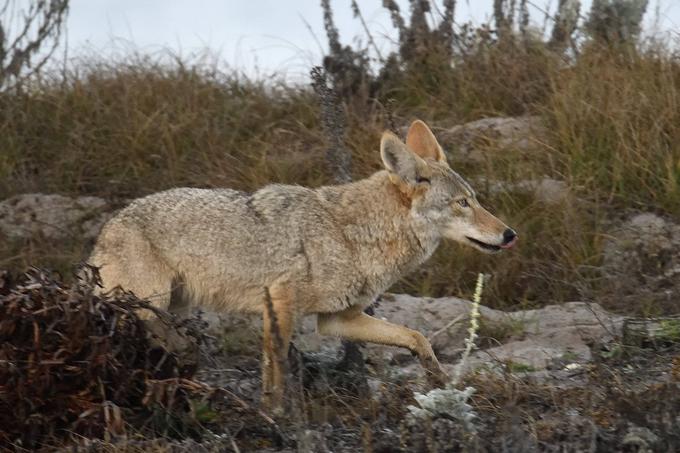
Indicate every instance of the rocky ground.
{"type": "Point", "coordinates": [560, 378]}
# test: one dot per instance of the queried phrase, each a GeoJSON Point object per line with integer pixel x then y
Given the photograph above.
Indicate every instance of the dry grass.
{"type": "Point", "coordinates": [127, 128]}
{"type": "Point", "coordinates": [132, 127]}
{"type": "Point", "coordinates": [616, 128]}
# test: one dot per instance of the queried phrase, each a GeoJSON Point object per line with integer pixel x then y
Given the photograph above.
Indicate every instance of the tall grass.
{"type": "Point", "coordinates": [126, 128]}
{"type": "Point", "coordinates": [617, 127]}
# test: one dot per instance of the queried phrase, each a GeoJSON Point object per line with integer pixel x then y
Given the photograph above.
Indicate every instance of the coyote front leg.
{"type": "Point", "coordinates": [278, 319]}
{"type": "Point", "coordinates": [355, 325]}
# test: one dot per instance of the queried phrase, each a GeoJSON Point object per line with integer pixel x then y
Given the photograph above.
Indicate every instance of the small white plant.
{"type": "Point", "coordinates": [448, 403]}
{"type": "Point", "coordinates": [472, 330]}
{"type": "Point", "coordinates": [451, 402]}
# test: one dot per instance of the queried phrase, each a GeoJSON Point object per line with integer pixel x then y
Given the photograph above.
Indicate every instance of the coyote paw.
{"type": "Point", "coordinates": [436, 376]}
{"type": "Point", "coordinates": [272, 404]}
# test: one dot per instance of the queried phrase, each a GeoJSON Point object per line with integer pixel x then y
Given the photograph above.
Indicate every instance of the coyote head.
{"type": "Point", "coordinates": [438, 194]}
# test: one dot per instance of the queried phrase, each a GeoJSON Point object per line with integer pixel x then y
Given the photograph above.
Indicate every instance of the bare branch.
{"type": "Point", "coordinates": [397, 19]}
{"type": "Point", "coordinates": [357, 13]}
{"type": "Point", "coordinates": [446, 25]}
{"type": "Point", "coordinates": [331, 30]}
{"type": "Point", "coordinates": [566, 20]}
{"type": "Point", "coordinates": [38, 34]}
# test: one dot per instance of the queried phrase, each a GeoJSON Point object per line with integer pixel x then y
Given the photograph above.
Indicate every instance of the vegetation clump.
{"type": "Point", "coordinates": [74, 363]}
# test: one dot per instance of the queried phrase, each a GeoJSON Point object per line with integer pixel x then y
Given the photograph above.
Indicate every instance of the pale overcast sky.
{"type": "Point", "coordinates": [260, 36]}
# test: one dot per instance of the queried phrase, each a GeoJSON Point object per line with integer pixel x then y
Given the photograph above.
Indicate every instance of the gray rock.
{"type": "Point", "coordinates": [432, 317]}
{"type": "Point", "coordinates": [473, 140]}
{"type": "Point", "coordinates": [52, 216]}
{"type": "Point", "coordinates": [556, 334]}
{"type": "Point", "coordinates": [546, 190]}
{"type": "Point", "coordinates": [641, 262]}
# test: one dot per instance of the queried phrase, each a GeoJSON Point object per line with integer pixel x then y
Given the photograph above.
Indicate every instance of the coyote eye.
{"type": "Point", "coordinates": [420, 179]}
{"type": "Point", "coordinates": [464, 203]}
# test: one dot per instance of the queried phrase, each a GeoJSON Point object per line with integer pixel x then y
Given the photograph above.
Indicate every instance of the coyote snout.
{"type": "Point", "coordinates": [288, 251]}
{"type": "Point", "coordinates": [475, 226]}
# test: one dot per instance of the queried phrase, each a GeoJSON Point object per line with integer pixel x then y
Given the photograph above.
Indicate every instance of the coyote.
{"type": "Point", "coordinates": [288, 251]}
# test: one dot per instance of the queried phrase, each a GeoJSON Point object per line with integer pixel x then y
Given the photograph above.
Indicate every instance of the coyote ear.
{"type": "Point", "coordinates": [399, 160]}
{"type": "Point", "coordinates": [422, 141]}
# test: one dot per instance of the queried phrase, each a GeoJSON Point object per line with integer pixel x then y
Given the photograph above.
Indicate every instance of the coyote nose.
{"type": "Point", "coordinates": [509, 237]}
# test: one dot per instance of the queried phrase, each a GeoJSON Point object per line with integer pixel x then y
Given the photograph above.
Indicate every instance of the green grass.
{"type": "Point", "coordinates": [670, 330]}
{"type": "Point", "coordinates": [492, 333]}
{"type": "Point", "coordinates": [517, 367]}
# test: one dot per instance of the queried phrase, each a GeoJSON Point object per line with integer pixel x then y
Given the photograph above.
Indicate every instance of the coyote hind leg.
{"type": "Point", "coordinates": [279, 319]}
{"type": "Point", "coordinates": [126, 259]}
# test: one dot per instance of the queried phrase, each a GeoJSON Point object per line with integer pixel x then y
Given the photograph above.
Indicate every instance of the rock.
{"type": "Point", "coordinates": [52, 216]}
{"type": "Point", "coordinates": [641, 263]}
{"type": "Point", "coordinates": [556, 335]}
{"type": "Point", "coordinates": [545, 336]}
{"type": "Point", "coordinates": [546, 190]}
{"type": "Point", "coordinates": [431, 317]}
{"type": "Point", "coordinates": [471, 140]}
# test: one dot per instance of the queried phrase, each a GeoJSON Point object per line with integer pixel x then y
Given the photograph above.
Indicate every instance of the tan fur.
{"type": "Point", "coordinates": [328, 251]}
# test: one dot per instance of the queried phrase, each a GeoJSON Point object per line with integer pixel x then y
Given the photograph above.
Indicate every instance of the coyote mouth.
{"type": "Point", "coordinates": [484, 245]}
